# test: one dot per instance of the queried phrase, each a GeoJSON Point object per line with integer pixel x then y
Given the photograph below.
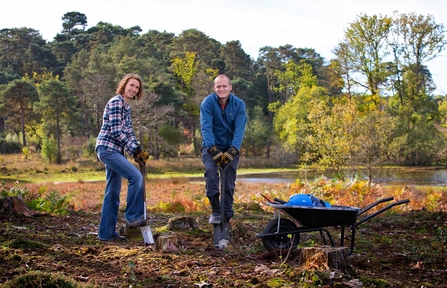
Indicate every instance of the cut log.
{"type": "Point", "coordinates": [166, 243]}
{"type": "Point", "coordinates": [326, 258]}
{"type": "Point", "coordinates": [14, 205]}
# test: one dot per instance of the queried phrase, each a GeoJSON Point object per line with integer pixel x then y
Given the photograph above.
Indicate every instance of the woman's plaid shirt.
{"type": "Point", "coordinates": [116, 130]}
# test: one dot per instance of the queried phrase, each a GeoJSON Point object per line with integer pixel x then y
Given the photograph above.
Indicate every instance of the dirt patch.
{"type": "Point", "coordinates": [391, 250]}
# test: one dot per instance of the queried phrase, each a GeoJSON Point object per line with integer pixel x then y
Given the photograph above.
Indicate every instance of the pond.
{"type": "Point", "coordinates": [433, 176]}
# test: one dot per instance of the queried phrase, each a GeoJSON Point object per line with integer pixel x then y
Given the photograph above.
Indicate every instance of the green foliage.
{"type": "Point", "coordinates": [12, 138]}
{"type": "Point", "coordinates": [55, 203]}
{"type": "Point", "coordinates": [170, 207]}
{"type": "Point", "coordinates": [257, 132]}
{"type": "Point", "coordinates": [36, 204]}
{"type": "Point", "coordinates": [171, 135]}
{"type": "Point", "coordinates": [9, 147]}
{"type": "Point", "coordinates": [58, 108]}
{"type": "Point", "coordinates": [291, 117]}
{"type": "Point", "coordinates": [88, 148]}
{"type": "Point", "coordinates": [6, 191]}
{"type": "Point", "coordinates": [49, 149]}
{"type": "Point", "coordinates": [26, 152]}
{"type": "Point", "coordinates": [185, 69]}
{"type": "Point", "coordinates": [129, 271]}
{"type": "Point", "coordinates": [295, 76]}
{"type": "Point", "coordinates": [419, 145]}
{"type": "Point", "coordinates": [35, 135]}
{"type": "Point", "coordinates": [308, 278]}
{"type": "Point", "coordinates": [331, 134]}
{"type": "Point", "coordinates": [382, 55]}
{"type": "Point", "coordinates": [366, 39]}
{"type": "Point", "coordinates": [172, 138]}
{"type": "Point", "coordinates": [20, 96]}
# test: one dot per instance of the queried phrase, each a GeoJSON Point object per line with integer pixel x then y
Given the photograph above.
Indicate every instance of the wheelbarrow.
{"type": "Point", "coordinates": [283, 233]}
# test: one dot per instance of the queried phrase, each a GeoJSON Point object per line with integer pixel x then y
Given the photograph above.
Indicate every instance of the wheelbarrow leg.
{"type": "Point", "coordinates": [328, 235]}
{"type": "Point", "coordinates": [322, 237]}
{"type": "Point", "coordinates": [355, 225]}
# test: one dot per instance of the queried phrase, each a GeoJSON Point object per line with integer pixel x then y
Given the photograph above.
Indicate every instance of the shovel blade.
{"type": "Point", "coordinates": [147, 235]}
{"type": "Point", "coordinates": [222, 232]}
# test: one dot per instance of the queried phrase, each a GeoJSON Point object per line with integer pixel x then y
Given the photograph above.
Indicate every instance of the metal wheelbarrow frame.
{"type": "Point", "coordinates": [283, 233]}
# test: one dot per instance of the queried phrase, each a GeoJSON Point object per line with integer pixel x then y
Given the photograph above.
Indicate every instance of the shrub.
{"type": "Point", "coordinates": [88, 149]}
{"type": "Point", "coordinates": [54, 202]}
{"type": "Point", "coordinates": [26, 151]}
{"type": "Point", "coordinates": [49, 149]}
{"type": "Point", "coordinates": [7, 147]}
{"type": "Point", "coordinates": [23, 192]}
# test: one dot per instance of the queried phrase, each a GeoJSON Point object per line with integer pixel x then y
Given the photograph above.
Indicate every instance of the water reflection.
{"type": "Point", "coordinates": [386, 176]}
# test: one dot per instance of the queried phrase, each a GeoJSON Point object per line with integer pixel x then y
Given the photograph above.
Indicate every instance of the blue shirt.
{"type": "Point", "coordinates": [223, 127]}
{"type": "Point", "coordinates": [116, 131]}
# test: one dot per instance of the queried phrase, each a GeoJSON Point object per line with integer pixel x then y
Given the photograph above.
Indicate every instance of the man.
{"type": "Point", "coordinates": [223, 119]}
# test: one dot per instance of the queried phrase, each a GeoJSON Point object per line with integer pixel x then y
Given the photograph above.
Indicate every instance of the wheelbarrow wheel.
{"type": "Point", "coordinates": [287, 241]}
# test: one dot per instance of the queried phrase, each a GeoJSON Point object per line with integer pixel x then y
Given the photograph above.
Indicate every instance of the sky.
{"type": "Point", "coordinates": [317, 24]}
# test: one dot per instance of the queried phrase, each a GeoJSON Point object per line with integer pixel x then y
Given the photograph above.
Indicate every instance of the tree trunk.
{"type": "Point", "coordinates": [325, 258]}
{"type": "Point", "coordinates": [14, 205]}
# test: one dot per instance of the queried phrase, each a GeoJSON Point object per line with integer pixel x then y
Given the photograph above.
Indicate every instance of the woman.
{"type": "Point", "coordinates": [115, 137]}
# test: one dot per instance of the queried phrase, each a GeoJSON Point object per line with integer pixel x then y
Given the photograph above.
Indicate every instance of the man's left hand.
{"type": "Point", "coordinates": [230, 154]}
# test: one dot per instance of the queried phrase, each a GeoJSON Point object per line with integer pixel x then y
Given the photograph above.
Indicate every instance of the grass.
{"type": "Point", "coordinates": [34, 169]}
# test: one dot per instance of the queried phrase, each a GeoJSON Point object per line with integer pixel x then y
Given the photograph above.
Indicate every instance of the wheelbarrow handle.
{"type": "Point", "coordinates": [375, 204]}
{"type": "Point", "coordinates": [280, 201]}
{"type": "Point", "coordinates": [378, 212]}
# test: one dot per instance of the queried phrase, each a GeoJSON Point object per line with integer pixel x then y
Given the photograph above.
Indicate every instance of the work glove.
{"type": "Point", "coordinates": [140, 156]}
{"type": "Point", "coordinates": [229, 155]}
{"type": "Point", "coordinates": [215, 153]}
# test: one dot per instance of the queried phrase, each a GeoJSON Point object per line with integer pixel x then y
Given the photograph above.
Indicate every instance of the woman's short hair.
{"type": "Point", "coordinates": [123, 83]}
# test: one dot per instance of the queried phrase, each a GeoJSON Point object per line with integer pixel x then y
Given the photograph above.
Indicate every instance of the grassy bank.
{"type": "Point", "coordinates": [35, 170]}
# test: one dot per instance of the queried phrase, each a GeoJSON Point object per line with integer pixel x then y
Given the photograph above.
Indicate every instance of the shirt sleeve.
{"type": "Point", "coordinates": [206, 122]}
{"type": "Point", "coordinates": [241, 123]}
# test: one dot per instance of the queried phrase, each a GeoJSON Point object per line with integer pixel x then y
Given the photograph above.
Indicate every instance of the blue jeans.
{"type": "Point", "coordinates": [117, 167]}
{"type": "Point", "coordinates": [212, 183]}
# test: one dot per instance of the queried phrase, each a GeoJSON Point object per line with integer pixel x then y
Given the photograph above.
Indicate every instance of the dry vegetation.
{"type": "Point", "coordinates": [404, 247]}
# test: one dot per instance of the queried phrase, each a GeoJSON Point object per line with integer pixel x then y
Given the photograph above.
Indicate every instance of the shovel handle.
{"type": "Point", "coordinates": [222, 192]}
{"type": "Point", "coordinates": [143, 173]}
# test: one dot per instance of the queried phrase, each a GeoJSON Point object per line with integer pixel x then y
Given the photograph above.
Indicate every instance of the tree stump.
{"type": "Point", "coordinates": [325, 258]}
{"type": "Point", "coordinates": [166, 243]}
{"type": "Point", "coordinates": [182, 223]}
{"type": "Point", "coordinates": [14, 205]}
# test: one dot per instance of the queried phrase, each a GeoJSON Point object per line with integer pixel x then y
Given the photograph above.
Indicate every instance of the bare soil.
{"type": "Point", "coordinates": [391, 250]}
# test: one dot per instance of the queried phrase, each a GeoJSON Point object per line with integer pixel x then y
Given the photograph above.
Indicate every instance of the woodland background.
{"type": "Point", "coordinates": [372, 105]}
